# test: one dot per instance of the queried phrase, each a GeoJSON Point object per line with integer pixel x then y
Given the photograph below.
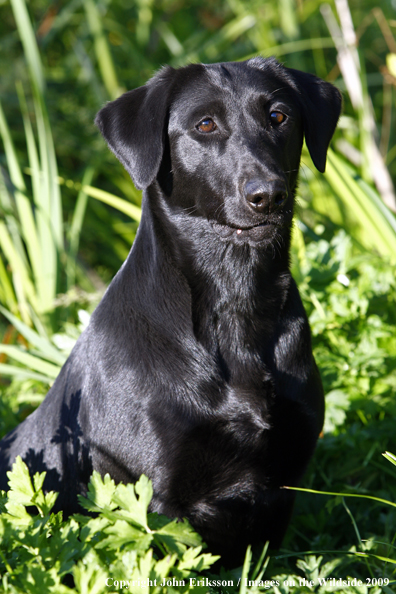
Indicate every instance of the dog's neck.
{"type": "Point", "coordinates": [233, 317]}
{"type": "Point", "coordinates": [222, 287]}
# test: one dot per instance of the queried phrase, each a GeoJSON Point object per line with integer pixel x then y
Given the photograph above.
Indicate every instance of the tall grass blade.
{"type": "Point", "coordinates": [390, 457]}
{"type": "Point", "coordinates": [12, 159]}
{"type": "Point", "coordinates": [29, 43]}
{"type": "Point", "coordinates": [29, 361]}
{"type": "Point", "coordinates": [337, 552]}
{"type": "Point", "coordinates": [7, 294]}
{"type": "Point", "coordinates": [357, 495]}
{"type": "Point", "coordinates": [227, 34]}
{"type": "Point", "coordinates": [23, 373]}
{"type": "Point", "coordinates": [76, 226]}
{"type": "Point", "coordinates": [16, 187]}
{"type": "Point", "coordinates": [245, 571]}
{"type": "Point", "coordinates": [28, 223]}
{"type": "Point", "coordinates": [261, 564]}
{"type": "Point", "coordinates": [42, 343]}
{"type": "Point", "coordinates": [23, 285]}
{"type": "Point", "coordinates": [292, 47]}
{"type": "Point", "coordinates": [378, 228]}
{"type": "Point", "coordinates": [120, 204]}
{"type": "Point", "coordinates": [47, 209]}
{"type": "Point", "coordinates": [102, 50]}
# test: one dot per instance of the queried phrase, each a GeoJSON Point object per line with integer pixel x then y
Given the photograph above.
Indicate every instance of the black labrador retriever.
{"type": "Point", "coordinates": [196, 368]}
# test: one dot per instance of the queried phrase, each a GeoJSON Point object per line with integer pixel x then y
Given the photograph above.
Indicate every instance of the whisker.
{"type": "Point", "coordinates": [190, 209]}
{"type": "Point", "coordinates": [219, 209]}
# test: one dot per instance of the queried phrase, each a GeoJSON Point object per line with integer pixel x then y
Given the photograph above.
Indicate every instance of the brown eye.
{"type": "Point", "coordinates": [277, 117]}
{"type": "Point", "coordinates": [207, 125]}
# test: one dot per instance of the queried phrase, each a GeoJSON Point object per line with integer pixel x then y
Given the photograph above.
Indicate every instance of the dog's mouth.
{"type": "Point", "coordinates": [256, 232]}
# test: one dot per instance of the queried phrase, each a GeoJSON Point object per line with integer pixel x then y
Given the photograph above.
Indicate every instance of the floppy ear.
{"type": "Point", "coordinates": [321, 104]}
{"type": "Point", "coordinates": [133, 126]}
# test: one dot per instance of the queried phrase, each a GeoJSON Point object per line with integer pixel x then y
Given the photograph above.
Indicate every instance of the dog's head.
{"type": "Point", "coordinates": [223, 141]}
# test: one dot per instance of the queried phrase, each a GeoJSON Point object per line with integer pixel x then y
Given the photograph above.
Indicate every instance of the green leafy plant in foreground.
{"type": "Point", "coordinates": [120, 546]}
{"type": "Point", "coordinates": [119, 541]}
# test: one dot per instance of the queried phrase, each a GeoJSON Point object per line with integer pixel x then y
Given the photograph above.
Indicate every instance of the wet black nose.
{"type": "Point", "coordinates": [268, 195]}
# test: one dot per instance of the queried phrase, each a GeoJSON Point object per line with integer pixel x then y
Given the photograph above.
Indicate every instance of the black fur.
{"type": "Point", "coordinates": [196, 368]}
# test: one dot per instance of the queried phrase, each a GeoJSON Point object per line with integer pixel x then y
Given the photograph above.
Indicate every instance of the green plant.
{"type": "Point", "coordinates": [80, 54]}
{"type": "Point", "coordinates": [318, 577]}
{"type": "Point", "coordinates": [32, 240]}
{"type": "Point", "coordinates": [118, 542]}
{"type": "Point", "coordinates": [121, 545]}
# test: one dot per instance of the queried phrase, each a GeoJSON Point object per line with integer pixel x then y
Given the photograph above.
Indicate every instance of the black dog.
{"type": "Point", "coordinates": [196, 368]}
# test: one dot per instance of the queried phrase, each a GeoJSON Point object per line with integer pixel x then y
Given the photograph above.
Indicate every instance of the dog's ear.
{"type": "Point", "coordinates": [133, 126]}
{"type": "Point", "coordinates": [321, 104]}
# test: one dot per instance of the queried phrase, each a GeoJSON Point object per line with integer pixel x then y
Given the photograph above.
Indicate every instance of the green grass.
{"type": "Point", "coordinates": [68, 215]}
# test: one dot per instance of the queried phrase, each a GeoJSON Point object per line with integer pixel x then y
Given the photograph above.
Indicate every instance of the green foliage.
{"type": "Point", "coordinates": [350, 298]}
{"type": "Point", "coordinates": [68, 216]}
{"type": "Point", "coordinates": [32, 239]}
{"type": "Point", "coordinates": [119, 541]}
{"type": "Point", "coordinates": [24, 493]}
{"type": "Point", "coordinates": [121, 545]}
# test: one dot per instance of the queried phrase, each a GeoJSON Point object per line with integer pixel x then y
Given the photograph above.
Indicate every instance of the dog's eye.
{"type": "Point", "coordinates": [277, 117]}
{"type": "Point", "coordinates": [207, 125]}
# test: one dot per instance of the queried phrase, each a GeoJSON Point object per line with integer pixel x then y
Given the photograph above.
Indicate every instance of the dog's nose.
{"type": "Point", "coordinates": [268, 195]}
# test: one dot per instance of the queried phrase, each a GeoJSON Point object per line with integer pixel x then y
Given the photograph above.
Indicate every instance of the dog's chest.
{"type": "Point", "coordinates": [224, 451]}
